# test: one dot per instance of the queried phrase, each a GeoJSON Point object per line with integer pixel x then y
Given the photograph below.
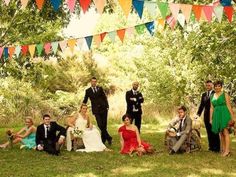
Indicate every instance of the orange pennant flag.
{"type": "Point", "coordinates": [99, 4]}
{"type": "Point", "coordinates": [174, 8]}
{"type": "Point", "coordinates": [161, 24]}
{"type": "Point", "coordinates": [121, 34]}
{"type": "Point", "coordinates": [126, 6]}
{"type": "Point", "coordinates": [229, 11]}
{"type": "Point", "coordinates": [186, 10]}
{"type": "Point", "coordinates": [197, 9]}
{"type": "Point", "coordinates": [84, 4]}
{"type": "Point", "coordinates": [11, 51]}
{"type": "Point", "coordinates": [24, 3]}
{"type": "Point", "coordinates": [71, 43]}
{"type": "Point", "coordinates": [97, 39]}
{"type": "Point", "coordinates": [39, 4]}
{"type": "Point", "coordinates": [32, 50]}
{"type": "Point", "coordinates": [102, 35]}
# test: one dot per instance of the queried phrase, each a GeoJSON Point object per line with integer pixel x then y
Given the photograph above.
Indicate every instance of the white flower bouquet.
{"type": "Point", "coordinates": [77, 133]}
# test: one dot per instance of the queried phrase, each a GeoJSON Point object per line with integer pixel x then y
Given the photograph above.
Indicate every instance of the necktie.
{"type": "Point", "coordinates": [208, 93]}
{"type": "Point", "coordinates": [180, 125]}
{"type": "Point", "coordinates": [47, 130]}
{"type": "Point", "coordinates": [94, 90]}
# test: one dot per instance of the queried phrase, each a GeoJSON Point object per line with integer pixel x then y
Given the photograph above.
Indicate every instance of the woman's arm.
{"type": "Point", "coordinates": [211, 113]}
{"type": "Point", "coordinates": [27, 133]}
{"type": "Point", "coordinates": [138, 136]}
{"type": "Point", "coordinates": [227, 97]}
{"type": "Point", "coordinates": [71, 121]}
{"type": "Point", "coordinates": [121, 141]}
{"type": "Point", "coordinates": [21, 131]}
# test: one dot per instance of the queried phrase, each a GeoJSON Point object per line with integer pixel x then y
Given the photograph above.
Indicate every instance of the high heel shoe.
{"type": "Point", "coordinates": [227, 155]}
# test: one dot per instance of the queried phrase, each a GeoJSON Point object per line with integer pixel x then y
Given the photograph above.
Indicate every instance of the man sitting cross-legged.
{"type": "Point", "coordinates": [182, 131]}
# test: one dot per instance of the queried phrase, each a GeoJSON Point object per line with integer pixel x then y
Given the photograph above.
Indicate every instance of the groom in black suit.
{"type": "Point", "coordinates": [134, 99]}
{"type": "Point", "coordinates": [50, 136]}
{"type": "Point", "coordinates": [99, 108]}
{"type": "Point", "coordinates": [213, 139]}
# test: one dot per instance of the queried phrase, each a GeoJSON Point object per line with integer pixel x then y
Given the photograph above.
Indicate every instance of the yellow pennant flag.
{"type": "Point", "coordinates": [32, 50]}
{"type": "Point", "coordinates": [161, 24]}
{"type": "Point", "coordinates": [126, 6]}
{"type": "Point", "coordinates": [71, 43]}
{"type": "Point", "coordinates": [97, 39]}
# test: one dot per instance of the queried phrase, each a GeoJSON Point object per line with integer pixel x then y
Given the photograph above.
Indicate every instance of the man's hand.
{"type": "Point", "coordinates": [40, 148]}
{"type": "Point", "coordinates": [178, 134]}
{"type": "Point", "coordinates": [133, 99]}
{"type": "Point", "coordinates": [196, 116]}
{"type": "Point", "coordinates": [61, 140]}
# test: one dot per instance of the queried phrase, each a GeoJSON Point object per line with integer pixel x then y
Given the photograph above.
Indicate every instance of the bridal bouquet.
{"type": "Point", "coordinates": [10, 137]}
{"type": "Point", "coordinates": [77, 133]}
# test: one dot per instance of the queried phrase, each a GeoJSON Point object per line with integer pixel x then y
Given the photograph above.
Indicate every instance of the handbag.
{"type": "Point", "coordinates": [231, 123]}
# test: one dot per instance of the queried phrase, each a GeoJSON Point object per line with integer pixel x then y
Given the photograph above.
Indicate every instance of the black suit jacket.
{"type": "Point", "coordinates": [131, 103]}
{"type": "Point", "coordinates": [98, 100]}
{"type": "Point", "coordinates": [205, 105]}
{"type": "Point", "coordinates": [54, 132]}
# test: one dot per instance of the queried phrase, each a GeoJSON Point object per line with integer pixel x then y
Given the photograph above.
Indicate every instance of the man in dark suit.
{"type": "Point", "coordinates": [50, 136]}
{"type": "Point", "coordinates": [183, 130]}
{"type": "Point", "coordinates": [99, 108]}
{"type": "Point", "coordinates": [134, 99]}
{"type": "Point", "coordinates": [213, 139]}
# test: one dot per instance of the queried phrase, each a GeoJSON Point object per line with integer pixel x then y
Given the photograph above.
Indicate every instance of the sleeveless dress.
{"type": "Point", "coordinates": [91, 137]}
{"type": "Point", "coordinates": [130, 140]}
{"type": "Point", "coordinates": [221, 115]}
{"type": "Point", "coordinates": [29, 141]}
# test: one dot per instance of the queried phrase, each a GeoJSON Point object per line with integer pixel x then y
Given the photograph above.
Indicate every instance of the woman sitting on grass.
{"type": "Point", "coordinates": [130, 139]}
{"type": "Point", "coordinates": [26, 136]}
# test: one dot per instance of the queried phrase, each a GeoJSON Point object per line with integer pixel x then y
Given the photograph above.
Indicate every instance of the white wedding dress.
{"type": "Point", "coordinates": [91, 137]}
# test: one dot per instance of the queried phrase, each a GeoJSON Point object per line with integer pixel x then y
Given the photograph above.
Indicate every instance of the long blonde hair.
{"type": "Point", "coordinates": [88, 119]}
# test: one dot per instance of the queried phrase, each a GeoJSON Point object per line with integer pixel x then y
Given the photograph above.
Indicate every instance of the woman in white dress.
{"type": "Point", "coordinates": [89, 133]}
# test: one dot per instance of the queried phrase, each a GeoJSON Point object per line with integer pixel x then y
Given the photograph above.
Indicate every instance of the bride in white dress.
{"type": "Point", "coordinates": [90, 134]}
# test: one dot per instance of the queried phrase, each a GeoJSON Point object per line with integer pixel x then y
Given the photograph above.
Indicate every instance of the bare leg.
{"type": "Point", "coordinates": [222, 142]}
{"type": "Point", "coordinates": [227, 142]}
{"type": "Point", "coordinates": [15, 141]}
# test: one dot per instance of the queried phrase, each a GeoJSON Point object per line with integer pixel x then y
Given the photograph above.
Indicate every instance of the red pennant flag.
{"type": "Point", "coordinates": [39, 4]}
{"type": "Point", "coordinates": [229, 11]}
{"type": "Point", "coordinates": [197, 9]}
{"type": "Point", "coordinates": [47, 48]}
{"type": "Point", "coordinates": [11, 51]}
{"type": "Point", "coordinates": [121, 34]}
{"type": "Point", "coordinates": [24, 49]}
{"type": "Point", "coordinates": [208, 10]}
{"type": "Point", "coordinates": [1, 51]}
{"type": "Point", "coordinates": [84, 4]}
{"type": "Point", "coordinates": [102, 35]}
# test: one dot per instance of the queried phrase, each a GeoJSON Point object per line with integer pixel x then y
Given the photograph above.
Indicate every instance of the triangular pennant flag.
{"type": "Point", "coordinates": [39, 49]}
{"type": "Point", "coordinates": [161, 24]}
{"type": "Point", "coordinates": [208, 10]}
{"type": "Point", "coordinates": [71, 5]}
{"type": "Point", "coordinates": [150, 27]}
{"type": "Point", "coordinates": [89, 41]}
{"type": "Point", "coordinates": [11, 51]}
{"type": "Point", "coordinates": [24, 49]}
{"type": "Point", "coordinates": [24, 3]}
{"type": "Point", "coordinates": [218, 10]}
{"type": "Point", "coordinates": [97, 39]}
{"type": "Point", "coordinates": [112, 36]}
{"type": "Point", "coordinates": [151, 7]}
{"type": "Point", "coordinates": [140, 28]}
{"type": "Point", "coordinates": [32, 50]}
{"type": "Point", "coordinates": [80, 42]}
{"type": "Point", "coordinates": [229, 11]}
{"type": "Point", "coordinates": [197, 9]}
{"type": "Point", "coordinates": [47, 48]}
{"type": "Point", "coordinates": [163, 7]}
{"type": "Point", "coordinates": [121, 34]}
{"type": "Point", "coordinates": [17, 51]}
{"type": "Point", "coordinates": [174, 8]}
{"type": "Point", "coordinates": [84, 4]}
{"type": "Point", "coordinates": [181, 20]}
{"type": "Point", "coordinates": [1, 51]}
{"type": "Point", "coordinates": [6, 53]}
{"type": "Point", "coordinates": [102, 35]}
{"type": "Point", "coordinates": [56, 4]}
{"type": "Point", "coordinates": [63, 45]}
{"type": "Point", "coordinates": [99, 4]}
{"type": "Point", "coordinates": [138, 5]}
{"type": "Point", "coordinates": [186, 10]}
{"type": "Point", "coordinates": [71, 44]}
{"type": "Point", "coordinates": [7, 2]}
{"type": "Point", "coordinates": [54, 47]}
{"type": "Point", "coordinates": [39, 4]}
{"type": "Point", "coordinates": [126, 6]}
{"type": "Point", "coordinates": [171, 21]}
{"type": "Point", "coordinates": [130, 31]}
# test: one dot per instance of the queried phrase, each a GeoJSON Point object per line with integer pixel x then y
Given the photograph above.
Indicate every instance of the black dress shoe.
{"type": "Point", "coordinates": [171, 152]}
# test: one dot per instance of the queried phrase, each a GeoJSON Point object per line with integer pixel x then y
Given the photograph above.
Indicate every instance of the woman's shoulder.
{"type": "Point", "coordinates": [121, 129]}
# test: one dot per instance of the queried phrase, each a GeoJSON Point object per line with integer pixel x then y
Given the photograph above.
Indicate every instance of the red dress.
{"type": "Point", "coordinates": [130, 140]}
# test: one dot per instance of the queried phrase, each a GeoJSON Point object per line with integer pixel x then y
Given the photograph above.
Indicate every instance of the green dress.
{"type": "Point", "coordinates": [29, 141]}
{"type": "Point", "coordinates": [221, 115]}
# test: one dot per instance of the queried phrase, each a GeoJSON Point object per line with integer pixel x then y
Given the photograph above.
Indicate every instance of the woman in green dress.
{"type": "Point", "coordinates": [220, 114]}
{"type": "Point", "coordinates": [26, 136]}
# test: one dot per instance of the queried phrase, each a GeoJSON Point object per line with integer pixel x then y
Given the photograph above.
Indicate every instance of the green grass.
{"type": "Point", "coordinates": [15, 162]}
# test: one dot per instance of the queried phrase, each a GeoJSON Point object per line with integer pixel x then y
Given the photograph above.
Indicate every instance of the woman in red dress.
{"type": "Point", "coordinates": [130, 139]}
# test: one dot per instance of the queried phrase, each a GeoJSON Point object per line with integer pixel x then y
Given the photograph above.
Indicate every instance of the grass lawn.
{"type": "Point", "coordinates": [15, 162]}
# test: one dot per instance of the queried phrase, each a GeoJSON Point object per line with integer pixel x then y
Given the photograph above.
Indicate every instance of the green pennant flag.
{"type": "Point", "coordinates": [163, 7]}
{"type": "Point", "coordinates": [140, 28]}
{"type": "Point", "coordinates": [39, 49]}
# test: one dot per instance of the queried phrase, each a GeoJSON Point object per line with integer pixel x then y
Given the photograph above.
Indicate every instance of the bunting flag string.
{"type": "Point", "coordinates": [165, 9]}
{"type": "Point", "coordinates": [47, 48]}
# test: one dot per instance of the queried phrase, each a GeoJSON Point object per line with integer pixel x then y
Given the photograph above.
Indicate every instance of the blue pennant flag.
{"type": "Point", "coordinates": [150, 27]}
{"type": "Point", "coordinates": [89, 41]}
{"type": "Point", "coordinates": [138, 5]}
{"type": "Point", "coordinates": [6, 53]}
{"type": "Point", "coordinates": [56, 4]}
